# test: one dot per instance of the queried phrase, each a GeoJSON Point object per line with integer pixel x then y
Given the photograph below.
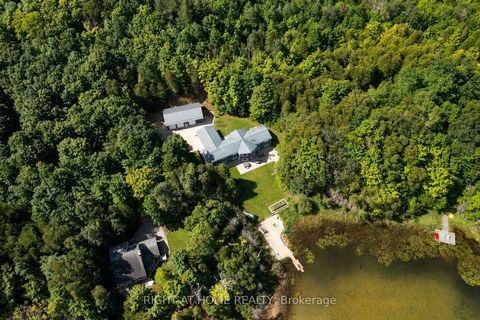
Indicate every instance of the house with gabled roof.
{"type": "Point", "coordinates": [241, 144]}
{"type": "Point", "coordinates": [134, 263]}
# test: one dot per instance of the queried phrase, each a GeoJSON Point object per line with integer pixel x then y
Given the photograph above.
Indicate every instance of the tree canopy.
{"type": "Point", "coordinates": [378, 101]}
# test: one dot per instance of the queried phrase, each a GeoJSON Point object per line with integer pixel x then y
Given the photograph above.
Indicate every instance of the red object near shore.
{"type": "Point", "coordinates": [436, 236]}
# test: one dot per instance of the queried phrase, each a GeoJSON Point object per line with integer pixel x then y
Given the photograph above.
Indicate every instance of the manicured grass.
{"type": "Point", "coordinates": [226, 124]}
{"type": "Point", "coordinates": [258, 189]}
{"type": "Point", "coordinates": [177, 240]}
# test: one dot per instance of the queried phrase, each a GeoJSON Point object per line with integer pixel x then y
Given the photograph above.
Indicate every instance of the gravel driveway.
{"type": "Point", "coordinates": [190, 134]}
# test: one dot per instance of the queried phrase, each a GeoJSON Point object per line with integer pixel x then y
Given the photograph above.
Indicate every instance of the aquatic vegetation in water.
{"type": "Point", "coordinates": [388, 242]}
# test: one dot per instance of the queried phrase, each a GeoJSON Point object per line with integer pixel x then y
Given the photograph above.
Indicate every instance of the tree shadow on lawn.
{"type": "Point", "coordinates": [246, 188]}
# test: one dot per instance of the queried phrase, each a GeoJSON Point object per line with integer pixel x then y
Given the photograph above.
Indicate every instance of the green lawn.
{"type": "Point", "coordinates": [177, 239]}
{"type": "Point", "coordinates": [258, 189]}
{"type": "Point", "coordinates": [226, 124]}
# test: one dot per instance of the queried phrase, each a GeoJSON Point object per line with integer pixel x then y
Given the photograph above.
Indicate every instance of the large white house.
{"type": "Point", "coordinates": [241, 144]}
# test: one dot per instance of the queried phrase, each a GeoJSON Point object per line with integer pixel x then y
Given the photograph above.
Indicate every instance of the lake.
{"type": "Point", "coordinates": [364, 289]}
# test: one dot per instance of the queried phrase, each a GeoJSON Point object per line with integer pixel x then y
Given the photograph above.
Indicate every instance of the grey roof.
{"type": "Point", "coordinates": [236, 134]}
{"type": "Point", "coordinates": [240, 141]}
{"type": "Point", "coordinates": [180, 114]}
{"type": "Point", "coordinates": [246, 147]}
{"type": "Point", "coordinates": [132, 263]}
{"type": "Point", "coordinates": [257, 135]}
{"type": "Point", "coordinates": [127, 265]}
{"type": "Point", "coordinates": [209, 137]}
{"type": "Point", "coordinates": [225, 150]}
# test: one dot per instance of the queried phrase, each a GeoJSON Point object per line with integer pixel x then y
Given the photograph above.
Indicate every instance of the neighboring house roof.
{"type": "Point", "coordinates": [240, 141]}
{"type": "Point", "coordinates": [180, 114]}
{"type": "Point", "coordinates": [132, 263]}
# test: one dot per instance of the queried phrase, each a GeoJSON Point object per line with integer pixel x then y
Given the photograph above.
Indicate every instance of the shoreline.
{"type": "Point", "coordinates": [378, 239]}
{"type": "Point", "coordinates": [276, 310]}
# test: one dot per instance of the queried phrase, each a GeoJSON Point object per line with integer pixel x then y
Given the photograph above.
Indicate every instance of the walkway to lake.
{"type": "Point", "coordinates": [272, 229]}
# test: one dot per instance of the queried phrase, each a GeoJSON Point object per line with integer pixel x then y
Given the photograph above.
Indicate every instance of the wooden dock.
{"type": "Point", "coordinates": [297, 263]}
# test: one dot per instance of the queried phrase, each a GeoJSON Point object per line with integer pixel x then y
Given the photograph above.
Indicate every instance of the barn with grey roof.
{"type": "Point", "coordinates": [183, 116]}
{"type": "Point", "coordinates": [241, 144]}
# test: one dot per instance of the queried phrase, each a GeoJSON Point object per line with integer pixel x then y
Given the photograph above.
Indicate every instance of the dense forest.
{"type": "Point", "coordinates": [379, 102]}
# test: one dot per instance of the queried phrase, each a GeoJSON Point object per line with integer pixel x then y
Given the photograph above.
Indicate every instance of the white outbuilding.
{"type": "Point", "coordinates": [183, 116]}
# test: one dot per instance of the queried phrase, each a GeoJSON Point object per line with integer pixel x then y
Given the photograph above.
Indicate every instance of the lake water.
{"type": "Point", "coordinates": [426, 289]}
